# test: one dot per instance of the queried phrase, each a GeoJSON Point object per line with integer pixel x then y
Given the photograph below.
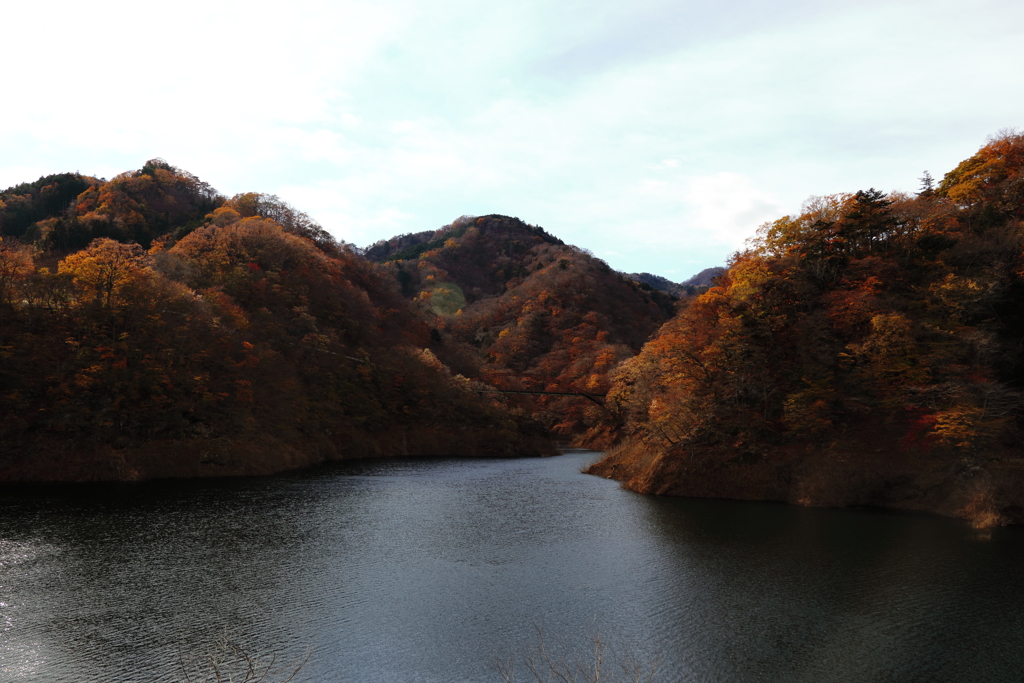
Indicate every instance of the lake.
{"type": "Point", "coordinates": [427, 570]}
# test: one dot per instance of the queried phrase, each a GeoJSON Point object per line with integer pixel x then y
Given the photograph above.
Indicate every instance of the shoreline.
{"type": "Point", "coordinates": [55, 461]}
{"type": "Point", "coordinates": [986, 495]}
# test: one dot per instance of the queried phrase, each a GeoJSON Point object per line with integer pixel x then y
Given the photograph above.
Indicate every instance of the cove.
{"type": "Point", "coordinates": [426, 570]}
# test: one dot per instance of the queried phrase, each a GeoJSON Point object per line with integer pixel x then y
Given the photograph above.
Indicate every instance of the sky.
{"type": "Point", "coordinates": [657, 134]}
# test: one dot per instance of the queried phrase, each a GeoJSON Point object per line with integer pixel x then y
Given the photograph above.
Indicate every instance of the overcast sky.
{"type": "Point", "coordinates": [657, 134]}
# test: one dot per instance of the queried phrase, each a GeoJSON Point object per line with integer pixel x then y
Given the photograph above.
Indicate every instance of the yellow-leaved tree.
{"type": "Point", "coordinates": [104, 267]}
{"type": "Point", "coordinates": [15, 265]}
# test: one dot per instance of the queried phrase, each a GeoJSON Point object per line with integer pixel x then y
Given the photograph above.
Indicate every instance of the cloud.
{"type": "Point", "coordinates": [728, 208]}
{"type": "Point", "coordinates": [657, 132]}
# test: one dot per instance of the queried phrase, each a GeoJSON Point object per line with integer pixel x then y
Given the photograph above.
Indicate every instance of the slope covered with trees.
{"type": "Point", "coordinates": [697, 284]}
{"type": "Point", "coordinates": [867, 351]}
{"type": "Point", "coordinates": [24, 205]}
{"type": "Point", "coordinates": [515, 306]}
{"type": "Point", "coordinates": [65, 212]}
{"type": "Point", "coordinates": [704, 278]}
{"type": "Point", "coordinates": [657, 282]}
{"type": "Point", "coordinates": [243, 340]}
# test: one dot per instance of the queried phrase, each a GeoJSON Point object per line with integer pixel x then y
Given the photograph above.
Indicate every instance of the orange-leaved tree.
{"type": "Point", "coordinates": [104, 267]}
{"type": "Point", "coordinates": [16, 265]}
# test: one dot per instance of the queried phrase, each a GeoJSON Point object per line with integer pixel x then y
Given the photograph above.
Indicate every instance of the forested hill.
{"type": "Point", "coordinates": [696, 284]}
{"type": "Point", "coordinates": [516, 306]}
{"type": "Point", "coordinates": [64, 212]}
{"type": "Point", "coordinates": [500, 230]}
{"type": "Point", "coordinates": [704, 278]}
{"type": "Point", "coordinates": [867, 351]}
{"type": "Point", "coordinates": [24, 205]}
{"type": "Point", "coordinates": [657, 282]}
{"type": "Point", "coordinates": [243, 340]}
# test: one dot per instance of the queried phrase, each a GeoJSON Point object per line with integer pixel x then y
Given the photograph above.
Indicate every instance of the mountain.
{"type": "Point", "coordinates": [243, 341]}
{"type": "Point", "coordinates": [696, 284]}
{"type": "Point", "coordinates": [516, 306]}
{"type": "Point", "coordinates": [65, 212]}
{"type": "Point", "coordinates": [704, 278]}
{"type": "Point", "coordinates": [649, 281]}
{"type": "Point", "coordinates": [865, 352]}
{"type": "Point", "coordinates": [23, 205]}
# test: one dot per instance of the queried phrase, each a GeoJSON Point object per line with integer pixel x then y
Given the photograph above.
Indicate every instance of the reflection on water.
{"type": "Point", "coordinates": [426, 570]}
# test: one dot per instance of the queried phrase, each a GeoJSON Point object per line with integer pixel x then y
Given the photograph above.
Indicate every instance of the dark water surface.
{"type": "Point", "coordinates": [425, 570]}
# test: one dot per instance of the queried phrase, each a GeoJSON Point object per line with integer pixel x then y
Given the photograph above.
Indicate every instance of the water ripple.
{"type": "Point", "coordinates": [425, 570]}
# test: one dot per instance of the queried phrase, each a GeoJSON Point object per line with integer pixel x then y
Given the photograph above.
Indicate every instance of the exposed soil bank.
{"type": "Point", "coordinates": [55, 460]}
{"type": "Point", "coordinates": [986, 491]}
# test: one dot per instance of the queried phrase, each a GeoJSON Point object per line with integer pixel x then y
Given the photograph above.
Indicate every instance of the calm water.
{"type": "Point", "coordinates": [427, 570]}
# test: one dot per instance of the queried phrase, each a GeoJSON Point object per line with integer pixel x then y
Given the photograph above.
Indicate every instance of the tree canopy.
{"type": "Point", "coordinates": [849, 351]}
{"type": "Point", "coordinates": [240, 345]}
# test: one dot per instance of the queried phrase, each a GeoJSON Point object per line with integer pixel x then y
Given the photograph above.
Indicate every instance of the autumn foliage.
{"type": "Point", "coordinates": [514, 306]}
{"type": "Point", "coordinates": [865, 351]}
{"type": "Point", "coordinates": [237, 345]}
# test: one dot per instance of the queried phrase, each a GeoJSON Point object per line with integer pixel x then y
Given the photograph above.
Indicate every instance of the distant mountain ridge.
{"type": "Point", "coordinates": [411, 245]}
{"type": "Point", "coordinates": [704, 278]}
{"type": "Point", "coordinates": [678, 289]}
{"type": "Point", "coordinates": [657, 282]}
{"type": "Point", "coordinates": [512, 301]}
